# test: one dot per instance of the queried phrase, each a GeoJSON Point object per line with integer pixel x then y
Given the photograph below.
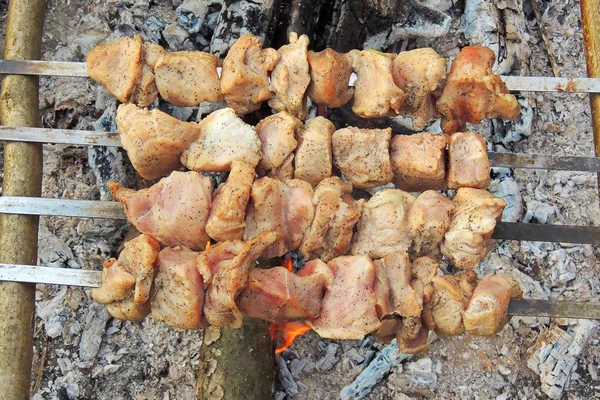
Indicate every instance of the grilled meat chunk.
{"type": "Point", "coordinates": [468, 163]}
{"type": "Point", "coordinates": [174, 211]}
{"type": "Point", "coordinates": [145, 91]}
{"type": "Point", "coordinates": [277, 134]}
{"type": "Point", "coordinates": [363, 156]}
{"type": "Point", "coordinates": [330, 78]}
{"type": "Point", "coordinates": [245, 79]}
{"type": "Point", "coordinates": [313, 160]}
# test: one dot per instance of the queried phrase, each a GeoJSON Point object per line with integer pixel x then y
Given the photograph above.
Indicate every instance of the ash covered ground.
{"type": "Point", "coordinates": [82, 353]}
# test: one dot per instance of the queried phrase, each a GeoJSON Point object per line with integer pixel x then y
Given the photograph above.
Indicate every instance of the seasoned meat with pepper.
{"type": "Point", "coordinates": [313, 159]}
{"type": "Point", "coordinates": [330, 78]}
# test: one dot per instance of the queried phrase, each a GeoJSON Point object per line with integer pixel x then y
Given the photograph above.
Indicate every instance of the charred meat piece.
{"type": "Point", "coordinates": [383, 226]}
{"type": "Point", "coordinates": [277, 134]}
{"type": "Point", "coordinates": [174, 211]}
{"type": "Point", "coordinates": [487, 310]}
{"type": "Point", "coordinates": [469, 237]}
{"type": "Point", "coordinates": [375, 93]}
{"type": "Point", "coordinates": [473, 92]}
{"type": "Point", "coordinates": [418, 161]}
{"type": "Point", "coordinates": [224, 137]}
{"type": "Point", "coordinates": [363, 156]}
{"type": "Point", "coordinates": [188, 78]}
{"type": "Point", "coordinates": [245, 79]}
{"type": "Point", "coordinates": [178, 294]}
{"type": "Point", "coordinates": [117, 66]}
{"type": "Point", "coordinates": [313, 160]}
{"type": "Point", "coordinates": [349, 309]}
{"type": "Point", "coordinates": [412, 336]}
{"type": "Point", "coordinates": [220, 308]}
{"type": "Point", "coordinates": [468, 163]}
{"type": "Point", "coordinates": [330, 78]}
{"type": "Point", "coordinates": [279, 295]}
{"type": "Point", "coordinates": [228, 209]}
{"type": "Point", "coordinates": [131, 276]}
{"type": "Point", "coordinates": [280, 207]}
{"type": "Point", "coordinates": [154, 140]}
{"type": "Point", "coordinates": [419, 73]}
{"type": "Point", "coordinates": [336, 213]}
{"type": "Point", "coordinates": [145, 91]}
{"type": "Point", "coordinates": [290, 77]}
{"type": "Point", "coordinates": [428, 220]}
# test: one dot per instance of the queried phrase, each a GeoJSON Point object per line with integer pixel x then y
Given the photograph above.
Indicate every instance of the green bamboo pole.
{"type": "Point", "coordinates": [19, 106]}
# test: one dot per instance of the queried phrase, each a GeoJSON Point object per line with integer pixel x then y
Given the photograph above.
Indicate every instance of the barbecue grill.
{"type": "Point", "coordinates": [21, 204]}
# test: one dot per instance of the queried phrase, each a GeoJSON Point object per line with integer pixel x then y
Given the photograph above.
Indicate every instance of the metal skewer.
{"type": "Point", "coordinates": [514, 83]}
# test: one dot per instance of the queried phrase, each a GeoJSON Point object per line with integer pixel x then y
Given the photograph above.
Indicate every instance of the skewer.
{"type": "Point", "coordinates": [514, 83]}
{"type": "Point", "coordinates": [86, 278]}
{"type": "Point", "coordinates": [95, 138]}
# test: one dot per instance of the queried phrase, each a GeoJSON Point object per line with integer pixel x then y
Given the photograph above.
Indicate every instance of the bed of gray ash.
{"type": "Point", "coordinates": [81, 353]}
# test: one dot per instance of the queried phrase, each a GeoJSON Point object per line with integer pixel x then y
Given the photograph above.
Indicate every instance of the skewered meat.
{"type": "Point", "coordinates": [381, 287]}
{"type": "Point", "coordinates": [329, 78]}
{"type": "Point", "coordinates": [117, 66]}
{"type": "Point", "coordinates": [280, 207]}
{"type": "Point", "coordinates": [446, 308]}
{"type": "Point", "coordinates": [363, 156]}
{"type": "Point", "coordinates": [153, 139]}
{"type": "Point", "coordinates": [245, 80]}
{"type": "Point", "coordinates": [128, 309]}
{"type": "Point", "coordinates": [336, 213]}
{"type": "Point", "coordinates": [348, 310]}
{"type": "Point", "coordinates": [174, 211]}
{"type": "Point", "coordinates": [188, 78]}
{"type": "Point", "coordinates": [145, 91]}
{"type": "Point", "coordinates": [277, 137]}
{"type": "Point", "coordinates": [285, 171]}
{"type": "Point", "coordinates": [290, 77]}
{"type": "Point", "coordinates": [229, 201]}
{"type": "Point", "coordinates": [383, 225]}
{"type": "Point", "coordinates": [405, 300]}
{"type": "Point", "coordinates": [312, 162]}
{"type": "Point", "coordinates": [216, 258]}
{"type": "Point", "coordinates": [178, 294]}
{"type": "Point", "coordinates": [487, 310]}
{"type": "Point", "coordinates": [279, 295]}
{"type": "Point", "coordinates": [469, 237]}
{"type": "Point", "coordinates": [375, 93]}
{"type": "Point", "coordinates": [468, 163]}
{"type": "Point", "coordinates": [428, 220]}
{"type": "Point", "coordinates": [412, 336]}
{"type": "Point", "coordinates": [419, 73]}
{"type": "Point", "coordinates": [224, 137]}
{"type": "Point", "coordinates": [473, 92]}
{"type": "Point", "coordinates": [418, 161]}
{"type": "Point", "coordinates": [220, 308]}
{"type": "Point", "coordinates": [133, 270]}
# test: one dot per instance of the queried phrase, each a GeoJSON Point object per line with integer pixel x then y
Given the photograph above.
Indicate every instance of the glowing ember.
{"type": "Point", "coordinates": [287, 263]}
{"type": "Point", "coordinates": [284, 334]}
{"type": "Point", "coordinates": [207, 245]}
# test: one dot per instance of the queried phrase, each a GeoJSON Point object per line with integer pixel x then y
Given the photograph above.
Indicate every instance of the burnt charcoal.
{"type": "Point", "coordinates": [329, 358]}
{"type": "Point", "coordinates": [286, 378]}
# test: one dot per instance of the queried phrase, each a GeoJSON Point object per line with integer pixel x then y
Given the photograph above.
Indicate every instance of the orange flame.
{"type": "Point", "coordinates": [287, 263]}
{"type": "Point", "coordinates": [286, 333]}
{"type": "Point", "coordinates": [207, 245]}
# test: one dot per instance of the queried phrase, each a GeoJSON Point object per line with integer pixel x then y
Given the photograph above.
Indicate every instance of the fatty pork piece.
{"type": "Point", "coordinates": [277, 137]}
{"type": "Point", "coordinates": [220, 308]}
{"type": "Point", "coordinates": [363, 156]}
{"type": "Point", "coordinates": [290, 77]}
{"type": "Point", "coordinates": [283, 207]}
{"type": "Point", "coordinates": [444, 311]}
{"type": "Point", "coordinates": [285, 171]}
{"type": "Point", "coordinates": [188, 78]}
{"type": "Point", "coordinates": [117, 66]}
{"type": "Point", "coordinates": [419, 73]}
{"type": "Point", "coordinates": [349, 309]}
{"type": "Point", "coordinates": [245, 79]}
{"type": "Point", "coordinates": [473, 92]}
{"type": "Point", "coordinates": [145, 91]}
{"type": "Point", "coordinates": [228, 209]}
{"type": "Point", "coordinates": [375, 93]}
{"type": "Point", "coordinates": [468, 163]}
{"type": "Point", "coordinates": [313, 159]}
{"type": "Point", "coordinates": [178, 294]}
{"type": "Point", "coordinates": [223, 138]}
{"type": "Point", "coordinates": [126, 282]}
{"type": "Point", "coordinates": [336, 213]}
{"type": "Point", "coordinates": [154, 140]}
{"type": "Point", "coordinates": [418, 161]}
{"type": "Point", "coordinates": [174, 211]}
{"type": "Point", "coordinates": [487, 310]}
{"type": "Point", "coordinates": [383, 225]}
{"type": "Point", "coordinates": [406, 297]}
{"type": "Point", "coordinates": [279, 295]}
{"type": "Point", "coordinates": [330, 78]}
{"type": "Point", "coordinates": [429, 218]}
{"type": "Point", "coordinates": [469, 237]}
